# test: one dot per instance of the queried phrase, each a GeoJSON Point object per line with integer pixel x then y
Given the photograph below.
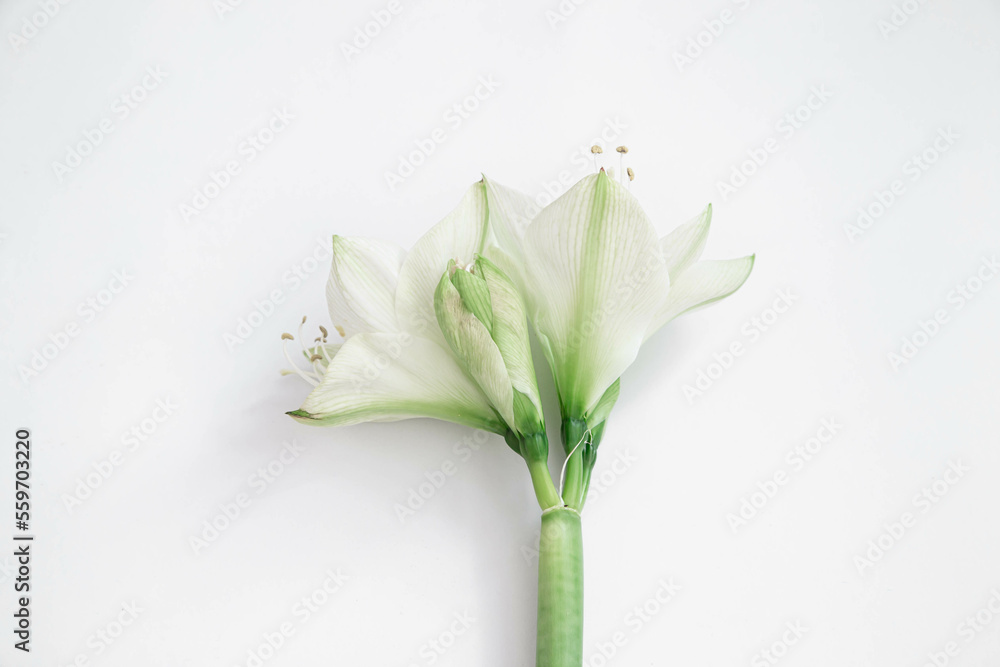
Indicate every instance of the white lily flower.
{"type": "Point", "coordinates": [599, 282]}
{"type": "Point", "coordinates": [395, 363]}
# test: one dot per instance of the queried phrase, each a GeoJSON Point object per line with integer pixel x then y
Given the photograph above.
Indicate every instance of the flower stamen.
{"type": "Point", "coordinates": [622, 150]}
{"type": "Point", "coordinates": [596, 150]}
{"type": "Point", "coordinates": [305, 375]}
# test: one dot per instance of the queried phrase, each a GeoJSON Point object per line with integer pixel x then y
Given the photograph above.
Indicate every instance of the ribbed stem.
{"type": "Point", "coordinates": [560, 590]}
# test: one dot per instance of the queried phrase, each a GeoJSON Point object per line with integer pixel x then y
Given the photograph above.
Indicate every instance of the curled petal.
{"type": "Point", "coordinates": [701, 284]}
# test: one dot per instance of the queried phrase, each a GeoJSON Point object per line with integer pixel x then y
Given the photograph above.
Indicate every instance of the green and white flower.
{"type": "Point", "coordinates": [599, 282]}
{"type": "Point", "coordinates": [442, 331]}
{"type": "Point", "coordinates": [394, 362]}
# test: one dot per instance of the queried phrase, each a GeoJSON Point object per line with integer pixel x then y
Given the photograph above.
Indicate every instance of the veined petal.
{"type": "Point", "coordinates": [683, 246]}
{"type": "Point", "coordinates": [597, 279]}
{"type": "Point", "coordinates": [463, 233]}
{"type": "Point", "coordinates": [362, 285]}
{"type": "Point", "coordinates": [388, 377]}
{"type": "Point", "coordinates": [511, 212]}
{"type": "Point", "coordinates": [701, 284]}
{"type": "Point", "coordinates": [471, 342]}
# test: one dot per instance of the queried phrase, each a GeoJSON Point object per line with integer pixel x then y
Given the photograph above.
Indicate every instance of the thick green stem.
{"type": "Point", "coordinates": [560, 590]}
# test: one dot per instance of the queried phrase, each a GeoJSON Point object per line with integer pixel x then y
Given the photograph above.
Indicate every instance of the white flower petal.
{"type": "Point", "coordinates": [683, 246]}
{"type": "Point", "coordinates": [463, 233]}
{"type": "Point", "coordinates": [597, 279]}
{"type": "Point", "coordinates": [510, 213]}
{"type": "Point", "coordinates": [701, 284]}
{"type": "Point", "coordinates": [388, 377]}
{"type": "Point", "coordinates": [362, 285]}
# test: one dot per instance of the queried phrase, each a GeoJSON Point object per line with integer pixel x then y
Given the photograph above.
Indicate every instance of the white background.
{"type": "Point", "coordinates": [561, 79]}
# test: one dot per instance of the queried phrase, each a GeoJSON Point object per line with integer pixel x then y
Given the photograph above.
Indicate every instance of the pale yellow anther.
{"type": "Point", "coordinates": [315, 357]}
{"type": "Point", "coordinates": [631, 174]}
{"type": "Point", "coordinates": [287, 336]}
{"type": "Point", "coordinates": [323, 330]}
{"type": "Point", "coordinates": [340, 330]}
{"type": "Point", "coordinates": [622, 149]}
{"type": "Point", "coordinates": [303, 319]}
{"type": "Point", "coordinates": [595, 149]}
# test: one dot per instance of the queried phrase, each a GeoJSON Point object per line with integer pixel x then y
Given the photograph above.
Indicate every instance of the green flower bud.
{"type": "Point", "coordinates": [483, 319]}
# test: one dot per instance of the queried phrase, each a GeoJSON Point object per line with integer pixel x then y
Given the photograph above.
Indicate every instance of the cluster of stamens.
{"type": "Point", "coordinates": [596, 150]}
{"type": "Point", "coordinates": [318, 357]}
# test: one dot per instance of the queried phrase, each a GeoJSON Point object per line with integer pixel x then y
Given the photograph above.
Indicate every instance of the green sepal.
{"type": "Point", "coordinates": [535, 448]}
{"type": "Point", "coordinates": [598, 414]}
{"type": "Point", "coordinates": [527, 418]}
{"type": "Point", "coordinates": [513, 441]}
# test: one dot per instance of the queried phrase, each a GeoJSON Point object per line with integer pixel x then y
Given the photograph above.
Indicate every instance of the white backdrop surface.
{"type": "Point", "coordinates": [171, 174]}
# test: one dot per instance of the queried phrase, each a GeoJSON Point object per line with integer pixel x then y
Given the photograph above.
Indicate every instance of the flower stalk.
{"type": "Point", "coordinates": [560, 590]}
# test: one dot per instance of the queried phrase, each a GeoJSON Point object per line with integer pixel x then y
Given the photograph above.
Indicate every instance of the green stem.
{"type": "Point", "coordinates": [545, 489]}
{"type": "Point", "coordinates": [573, 434]}
{"type": "Point", "coordinates": [560, 590]}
